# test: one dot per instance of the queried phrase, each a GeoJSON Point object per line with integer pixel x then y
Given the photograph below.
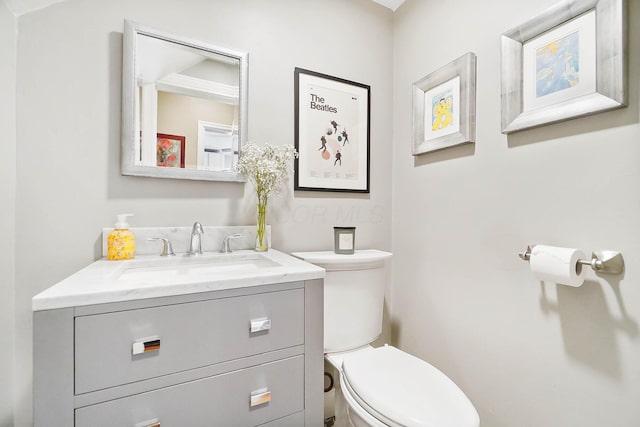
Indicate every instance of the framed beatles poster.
{"type": "Point", "coordinates": [331, 133]}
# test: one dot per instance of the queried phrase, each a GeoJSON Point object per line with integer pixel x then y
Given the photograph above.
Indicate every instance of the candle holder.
{"type": "Point", "coordinates": [345, 240]}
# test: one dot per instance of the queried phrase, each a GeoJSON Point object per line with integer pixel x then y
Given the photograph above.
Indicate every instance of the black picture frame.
{"type": "Point", "coordinates": [332, 133]}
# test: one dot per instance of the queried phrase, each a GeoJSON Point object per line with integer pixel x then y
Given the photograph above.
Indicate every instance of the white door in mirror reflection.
{"type": "Point", "coordinates": [217, 146]}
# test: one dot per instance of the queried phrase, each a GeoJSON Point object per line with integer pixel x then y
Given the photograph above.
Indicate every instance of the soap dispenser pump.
{"type": "Point", "coordinates": [121, 243]}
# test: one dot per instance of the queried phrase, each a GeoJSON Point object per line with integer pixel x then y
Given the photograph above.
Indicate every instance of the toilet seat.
{"type": "Point", "coordinates": [399, 389]}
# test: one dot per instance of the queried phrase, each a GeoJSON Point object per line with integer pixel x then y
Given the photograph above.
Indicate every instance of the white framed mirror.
{"type": "Point", "coordinates": [184, 107]}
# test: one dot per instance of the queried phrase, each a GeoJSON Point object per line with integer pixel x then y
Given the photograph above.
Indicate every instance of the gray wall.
{"type": "Point", "coordinates": [68, 106]}
{"type": "Point", "coordinates": [526, 354]}
{"type": "Point", "coordinates": [7, 211]}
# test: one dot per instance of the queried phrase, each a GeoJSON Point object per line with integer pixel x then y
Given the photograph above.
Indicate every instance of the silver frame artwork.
{"type": "Point", "coordinates": [465, 67]}
{"type": "Point", "coordinates": [611, 64]}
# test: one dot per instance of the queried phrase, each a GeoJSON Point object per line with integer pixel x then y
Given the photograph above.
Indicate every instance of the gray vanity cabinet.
{"type": "Point", "coordinates": [182, 361]}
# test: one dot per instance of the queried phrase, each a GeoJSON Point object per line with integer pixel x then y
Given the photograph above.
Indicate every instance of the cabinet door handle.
{"type": "Point", "coordinates": [145, 345]}
{"type": "Point", "coordinates": [260, 397]}
{"type": "Point", "coordinates": [150, 423]}
{"type": "Point", "coordinates": [261, 324]}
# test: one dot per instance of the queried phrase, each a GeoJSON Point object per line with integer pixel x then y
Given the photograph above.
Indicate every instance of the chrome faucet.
{"type": "Point", "coordinates": [226, 249]}
{"type": "Point", "coordinates": [195, 245]}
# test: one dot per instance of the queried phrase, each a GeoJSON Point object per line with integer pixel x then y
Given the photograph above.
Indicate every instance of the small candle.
{"type": "Point", "coordinates": [345, 240]}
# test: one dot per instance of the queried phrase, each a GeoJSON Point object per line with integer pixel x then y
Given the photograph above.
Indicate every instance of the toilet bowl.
{"type": "Point", "coordinates": [381, 386]}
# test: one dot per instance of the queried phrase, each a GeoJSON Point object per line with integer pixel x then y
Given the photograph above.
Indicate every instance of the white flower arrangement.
{"type": "Point", "coordinates": [266, 167]}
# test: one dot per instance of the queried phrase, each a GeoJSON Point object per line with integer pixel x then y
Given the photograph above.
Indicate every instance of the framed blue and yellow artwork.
{"type": "Point", "coordinates": [570, 61]}
{"type": "Point", "coordinates": [444, 106]}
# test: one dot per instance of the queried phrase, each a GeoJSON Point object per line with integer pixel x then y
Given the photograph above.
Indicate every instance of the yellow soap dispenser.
{"type": "Point", "coordinates": [121, 243]}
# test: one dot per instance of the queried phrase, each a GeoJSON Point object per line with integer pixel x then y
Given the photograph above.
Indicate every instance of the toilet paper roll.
{"type": "Point", "coordinates": [557, 265]}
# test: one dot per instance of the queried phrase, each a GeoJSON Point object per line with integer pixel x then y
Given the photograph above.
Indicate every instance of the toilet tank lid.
{"type": "Point", "coordinates": [360, 259]}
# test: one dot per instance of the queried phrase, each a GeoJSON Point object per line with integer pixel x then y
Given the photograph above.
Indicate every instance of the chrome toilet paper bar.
{"type": "Point", "coordinates": [609, 262]}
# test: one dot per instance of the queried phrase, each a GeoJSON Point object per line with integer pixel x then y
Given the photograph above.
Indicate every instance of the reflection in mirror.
{"type": "Point", "coordinates": [184, 107]}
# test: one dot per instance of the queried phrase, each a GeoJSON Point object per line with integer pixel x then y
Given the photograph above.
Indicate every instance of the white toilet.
{"type": "Point", "coordinates": [382, 386]}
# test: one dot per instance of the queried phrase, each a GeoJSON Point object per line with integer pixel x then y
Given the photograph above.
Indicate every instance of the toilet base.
{"type": "Point", "coordinates": [335, 406]}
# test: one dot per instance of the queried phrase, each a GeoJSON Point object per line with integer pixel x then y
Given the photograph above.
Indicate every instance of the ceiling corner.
{"type": "Point", "coordinates": [391, 4]}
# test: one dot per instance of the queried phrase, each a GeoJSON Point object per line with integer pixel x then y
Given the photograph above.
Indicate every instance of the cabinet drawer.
{"type": "Point", "coordinates": [182, 336]}
{"type": "Point", "coordinates": [222, 400]}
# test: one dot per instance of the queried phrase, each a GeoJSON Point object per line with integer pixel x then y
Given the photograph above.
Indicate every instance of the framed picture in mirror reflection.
{"type": "Point", "coordinates": [170, 150]}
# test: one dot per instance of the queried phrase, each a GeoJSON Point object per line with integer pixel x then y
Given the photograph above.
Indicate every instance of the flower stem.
{"type": "Point", "coordinates": [262, 215]}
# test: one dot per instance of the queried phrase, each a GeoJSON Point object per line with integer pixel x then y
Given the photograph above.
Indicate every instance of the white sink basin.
{"type": "Point", "coordinates": [191, 268]}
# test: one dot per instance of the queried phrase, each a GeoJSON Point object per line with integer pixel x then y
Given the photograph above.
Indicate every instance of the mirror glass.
{"type": "Point", "coordinates": [184, 107]}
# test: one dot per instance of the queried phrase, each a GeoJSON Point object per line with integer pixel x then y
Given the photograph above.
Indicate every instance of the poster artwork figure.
{"type": "Point", "coordinates": [338, 158]}
{"type": "Point", "coordinates": [335, 126]}
{"type": "Point", "coordinates": [325, 154]}
{"type": "Point", "coordinates": [345, 136]}
{"type": "Point", "coordinates": [323, 140]}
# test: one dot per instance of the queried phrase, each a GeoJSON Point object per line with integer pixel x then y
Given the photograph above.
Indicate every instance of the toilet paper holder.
{"type": "Point", "coordinates": [608, 262]}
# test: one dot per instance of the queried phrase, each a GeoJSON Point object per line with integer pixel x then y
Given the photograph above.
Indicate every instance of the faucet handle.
{"type": "Point", "coordinates": [226, 248]}
{"type": "Point", "coordinates": [167, 247]}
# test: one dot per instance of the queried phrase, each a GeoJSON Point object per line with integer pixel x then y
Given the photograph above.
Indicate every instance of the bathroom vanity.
{"type": "Point", "coordinates": [216, 340]}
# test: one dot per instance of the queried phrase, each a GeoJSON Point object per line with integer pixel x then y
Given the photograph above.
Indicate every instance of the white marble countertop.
{"type": "Point", "coordinates": [114, 281]}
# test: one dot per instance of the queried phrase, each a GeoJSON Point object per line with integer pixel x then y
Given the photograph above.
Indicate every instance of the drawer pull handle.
{"type": "Point", "coordinates": [258, 325]}
{"type": "Point", "coordinates": [146, 345]}
{"type": "Point", "coordinates": [151, 423]}
{"type": "Point", "coordinates": [260, 397]}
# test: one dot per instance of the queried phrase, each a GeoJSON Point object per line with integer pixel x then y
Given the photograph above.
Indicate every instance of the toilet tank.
{"type": "Point", "coordinates": [353, 296]}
